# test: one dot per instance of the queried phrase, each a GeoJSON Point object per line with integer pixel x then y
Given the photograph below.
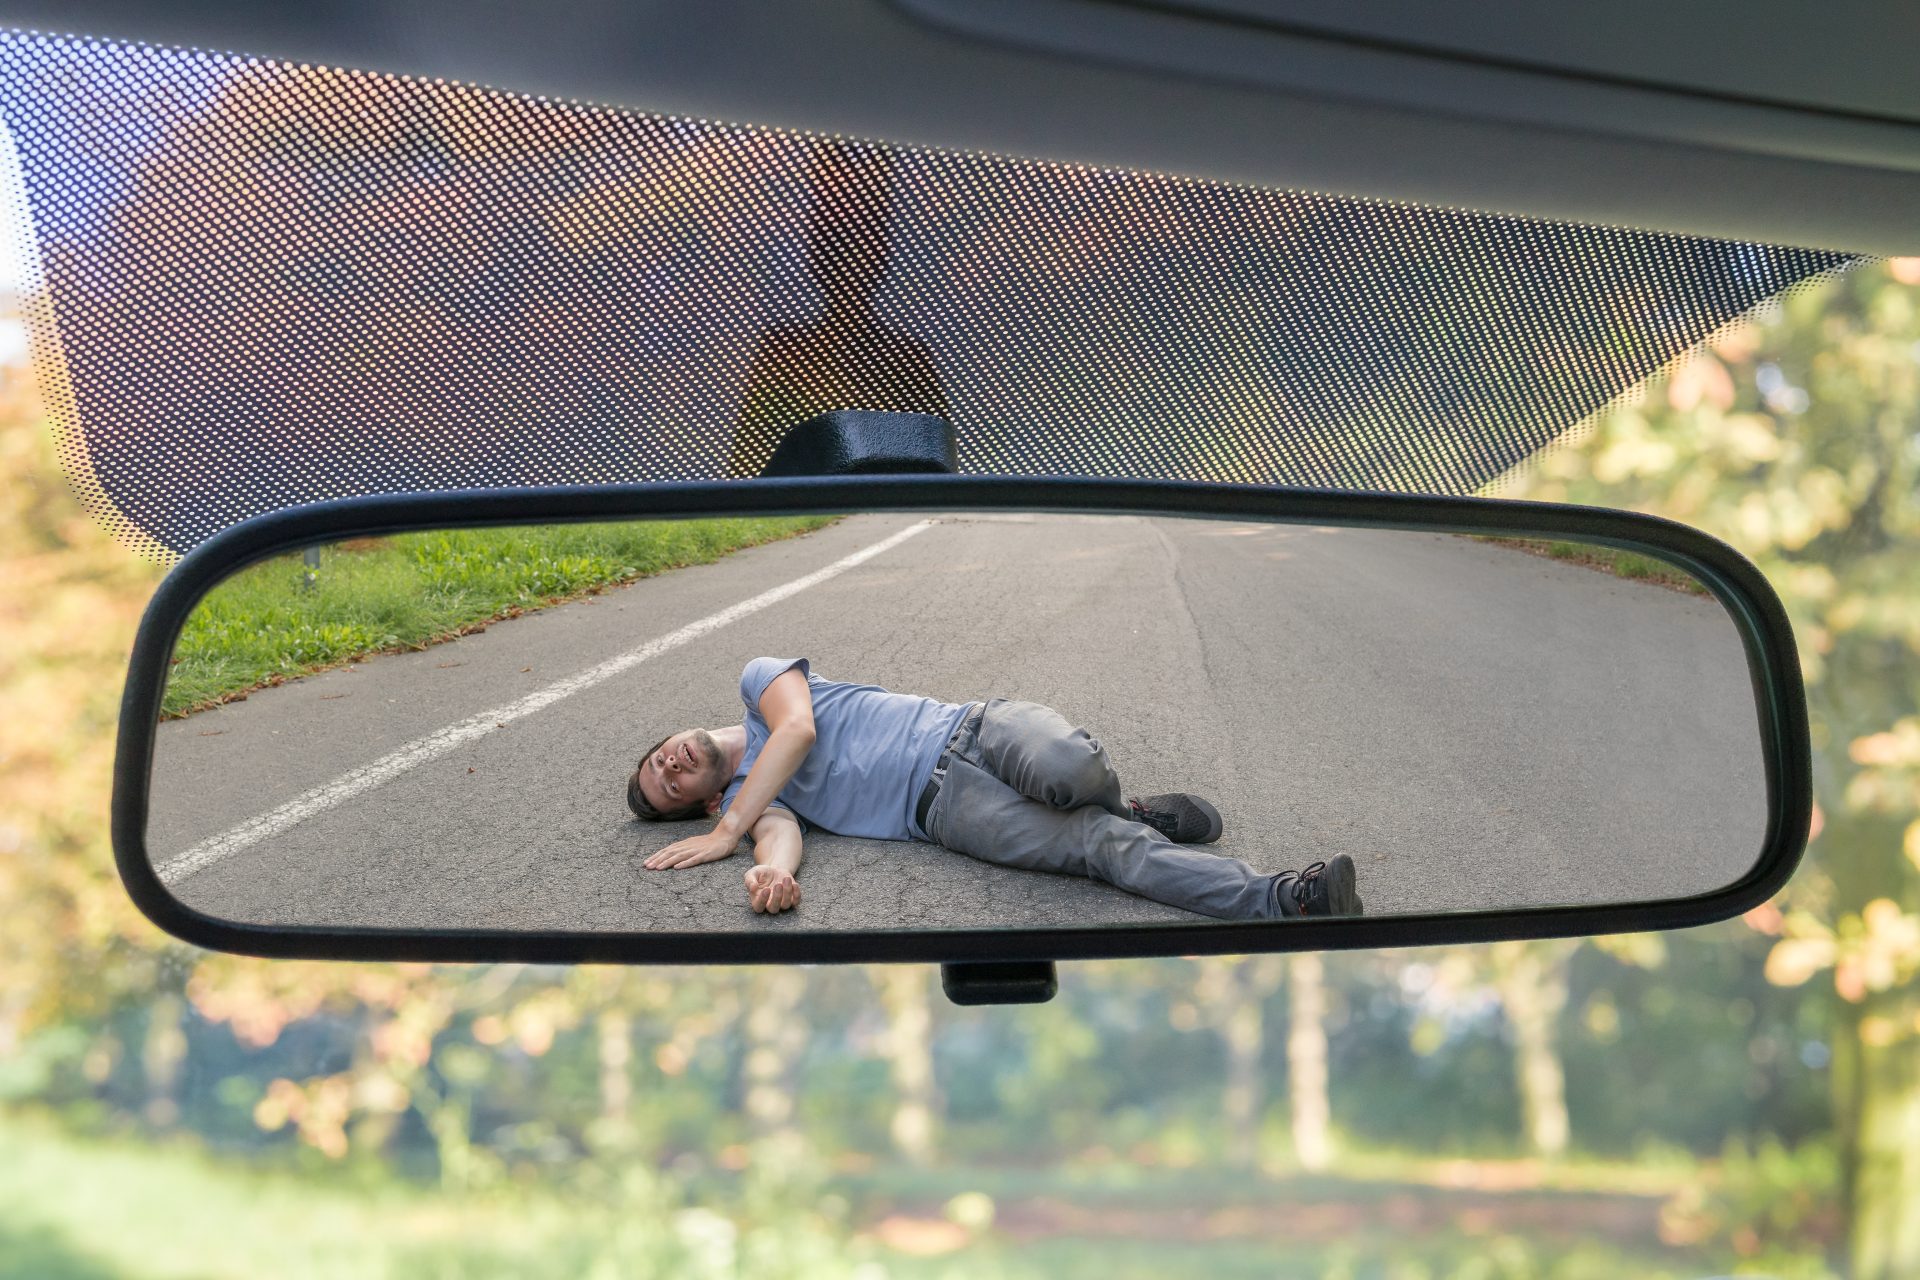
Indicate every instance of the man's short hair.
{"type": "Point", "coordinates": [637, 799]}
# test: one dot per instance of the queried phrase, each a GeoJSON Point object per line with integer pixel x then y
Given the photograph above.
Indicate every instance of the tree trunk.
{"type": "Point", "coordinates": [13, 1011]}
{"type": "Point", "coordinates": [1307, 1062]}
{"type": "Point", "coordinates": [161, 1054]}
{"type": "Point", "coordinates": [448, 1116]}
{"type": "Point", "coordinates": [616, 1057]}
{"type": "Point", "coordinates": [775, 1037]}
{"type": "Point", "coordinates": [1241, 1031]}
{"type": "Point", "coordinates": [371, 1129]}
{"type": "Point", "coordinates": [1532, 980]}
{"type": "Point", "coordinates": [909, 1051]}
{"type": "Point", "coordinates": [1232, 993]}
{"type": "Point", "coordinates": [1883, 1179]}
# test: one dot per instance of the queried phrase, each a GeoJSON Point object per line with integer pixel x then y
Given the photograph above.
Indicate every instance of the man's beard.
{"type": "Point", "coordinates": [713, 765]}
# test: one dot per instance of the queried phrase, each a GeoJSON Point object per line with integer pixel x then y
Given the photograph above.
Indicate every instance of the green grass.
{"type": "Point", "coordinates": [1621, 564]}
{"type": "Point", "coordinates": [1117, 1220]}
{"type": "Point", "coordinates": [93, 1209]}
{"type": "Point", "coordinates": [1374, 1254]}
{"type": "Point", "coordinates": [128, 1208]}
{"type": "Point", "coordinates": [75, 1208]}
{"type": "Point", "coordinates": [265, 624]}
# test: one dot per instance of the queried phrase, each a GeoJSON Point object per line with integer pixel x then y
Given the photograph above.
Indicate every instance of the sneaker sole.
{"type": "Point", "coordinates": [1342, 899]}
{"type": "Point", "coordinates": [1214, 825]}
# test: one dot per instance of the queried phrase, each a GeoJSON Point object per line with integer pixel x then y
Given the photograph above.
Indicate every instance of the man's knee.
{"type": "Point", "coordinates": [1094, 772]}
{"type": "Point", "coordinates": [1062, 765]}
{"type": "Point", "coordinates": [1081, 770]}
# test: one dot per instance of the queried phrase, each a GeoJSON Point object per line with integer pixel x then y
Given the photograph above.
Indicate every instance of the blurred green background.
{"type": "Point", "coordinates": [1739, 1099]}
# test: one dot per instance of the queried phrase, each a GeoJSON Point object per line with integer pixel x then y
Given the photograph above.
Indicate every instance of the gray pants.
{"type": "Point", "coordinates": [1026, 789]}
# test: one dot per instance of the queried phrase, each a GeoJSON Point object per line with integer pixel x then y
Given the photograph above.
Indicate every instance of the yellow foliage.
{"type": "Point", "coordinates": [318, 1109]}
{"type": "Point", "coordinates": [381, 1094]}
{"type": "Point", "coordinates": [71, 600]}
{"type": "Point", "coordinates": [1897, 746]}
{"type": "Point", "coordinates": [1889, 949]}
{"type": "Point", "coordinates": [1870, 952]}
{"type": "Point", "coordinates": [1793, 960]}
{"type": "Point", "coordinates": [1746, 438]}
{"type": "Point", "coordinates": [1878, 1031]}
{"type": "Point", "coordinates": [1633, 453]}
{"type": "Point", "coordinates": [1700, 378]}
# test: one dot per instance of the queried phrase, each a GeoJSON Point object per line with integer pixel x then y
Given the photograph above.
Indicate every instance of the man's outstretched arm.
{"type": "Point", "coordinates": [777, 850]}
{"type": "Point", "coordinates": [787, 707]}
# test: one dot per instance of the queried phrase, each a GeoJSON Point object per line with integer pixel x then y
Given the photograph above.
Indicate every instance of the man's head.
{"type": "Point", "coordinates": [682, 776]}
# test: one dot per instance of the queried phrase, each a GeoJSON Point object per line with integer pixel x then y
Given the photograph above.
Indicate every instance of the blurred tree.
{"type": "Point", "coordinates": [1231, 993]}
{"type": "Point", "coordinates": [1793, 436]}
{"type": "Point", "coordinates": [907, 1043]}
{"type": "Point", "coordinates": [776, 1036]}
{"type": "Point", "coordinates": [1531, 978]}
{"type": "Point", "coordinates": [614, 1037]}
{"type": "Point", "coordinates": [70, 602]}
{"type": "Point", "coordinates": [163, 1051]}
{"type": "Point", "coordinates": [1312, 1110]}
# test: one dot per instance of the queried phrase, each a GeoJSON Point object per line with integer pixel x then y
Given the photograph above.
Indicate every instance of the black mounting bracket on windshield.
{"type": "Point", "coordinates": [860, 442]}
{"type": "Point", "coordinates": [864, 442]}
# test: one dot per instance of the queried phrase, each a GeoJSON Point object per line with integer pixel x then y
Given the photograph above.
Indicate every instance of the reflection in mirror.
{"type": "Point", "coordinates": [1142, 720]}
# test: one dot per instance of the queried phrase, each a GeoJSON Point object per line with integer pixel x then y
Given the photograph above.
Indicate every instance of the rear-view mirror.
{"type": "Point", "coordinates": [952, 719]}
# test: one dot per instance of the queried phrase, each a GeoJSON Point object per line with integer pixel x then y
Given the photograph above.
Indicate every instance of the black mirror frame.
{"type": "Point", "coordinates": [1772, 662]}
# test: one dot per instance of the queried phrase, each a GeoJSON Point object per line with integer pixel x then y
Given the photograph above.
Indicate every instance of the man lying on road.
{"type": "Point", "coordinates": [1007, 782]}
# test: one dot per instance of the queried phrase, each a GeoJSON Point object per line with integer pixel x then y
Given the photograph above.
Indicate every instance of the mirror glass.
{"type": "Point", "coordinates": [457, 729]}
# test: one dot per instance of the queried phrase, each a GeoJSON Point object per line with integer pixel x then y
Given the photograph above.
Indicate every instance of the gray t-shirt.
{"type": "Point", "coordinates": [873, 752]}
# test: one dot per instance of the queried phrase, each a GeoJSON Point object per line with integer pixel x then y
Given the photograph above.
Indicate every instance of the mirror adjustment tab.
{"type": "Point", "coordinates": [999, 981]}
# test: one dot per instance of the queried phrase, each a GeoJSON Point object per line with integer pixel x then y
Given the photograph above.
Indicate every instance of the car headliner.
{"type": "Point", "coordinates": [1765, 121]}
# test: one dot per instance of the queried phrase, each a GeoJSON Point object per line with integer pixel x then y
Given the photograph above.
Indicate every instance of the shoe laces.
{"type": "Point", "coordinates": [1303, 884]}
{"type": "Point", "coordinates": [1160, 820]}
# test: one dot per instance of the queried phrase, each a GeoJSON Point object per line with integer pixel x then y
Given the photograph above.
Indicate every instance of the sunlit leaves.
{"type": "Point", "coordinates": [1796, 436]}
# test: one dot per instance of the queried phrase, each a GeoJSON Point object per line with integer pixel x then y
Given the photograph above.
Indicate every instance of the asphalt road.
{"type": "Point", "coordinates": [1476, 726]}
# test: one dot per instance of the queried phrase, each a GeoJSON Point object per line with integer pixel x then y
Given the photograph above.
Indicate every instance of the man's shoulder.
{"type": "Point", "coordinates": [760, 673]}
{"type": "Point", "coordinates": [774, 664]}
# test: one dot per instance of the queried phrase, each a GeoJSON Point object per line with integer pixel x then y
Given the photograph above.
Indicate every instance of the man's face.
{"type": "Point", "coordinates": [687, 769]}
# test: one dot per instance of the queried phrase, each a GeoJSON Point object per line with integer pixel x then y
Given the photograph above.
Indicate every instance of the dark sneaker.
{"type": "Point", "coordinates": [1181, 818]}
{"type": "Point", "coordinates": [1323, 889]}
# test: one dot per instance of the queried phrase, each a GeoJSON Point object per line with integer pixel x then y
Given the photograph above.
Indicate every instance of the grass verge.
{"type": "Point", "coordinates": [163, 1209]}
{"type": "Point", "coordinates": [276, 620]}
{"type": "Point", "coordinates": [1621, 564]}
{"type": "Point", "coordinates": [152, 1208]}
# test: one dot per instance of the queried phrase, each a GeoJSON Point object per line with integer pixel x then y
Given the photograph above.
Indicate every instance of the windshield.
{"type": "Point", "coordinates": [276, 283]}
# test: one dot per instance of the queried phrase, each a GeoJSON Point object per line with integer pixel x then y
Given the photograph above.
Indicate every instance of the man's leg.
{"type": "Point", "coordinates": [978, 814]}
{"type": "Point", "coordinates": [1035, 751]}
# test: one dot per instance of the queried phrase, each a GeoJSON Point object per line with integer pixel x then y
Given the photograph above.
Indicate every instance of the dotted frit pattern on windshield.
{"type": "Point", "coordinates": [254, 284]}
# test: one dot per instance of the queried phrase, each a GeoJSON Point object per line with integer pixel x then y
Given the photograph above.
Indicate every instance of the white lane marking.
{"type": "Point", "coordinates": [395, 763]}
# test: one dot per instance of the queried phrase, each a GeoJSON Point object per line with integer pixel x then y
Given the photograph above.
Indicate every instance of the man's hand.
{"type": "Point", "coordinates": [771, 889]}
{"type": "Point", "coordinates": [691, 852]}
